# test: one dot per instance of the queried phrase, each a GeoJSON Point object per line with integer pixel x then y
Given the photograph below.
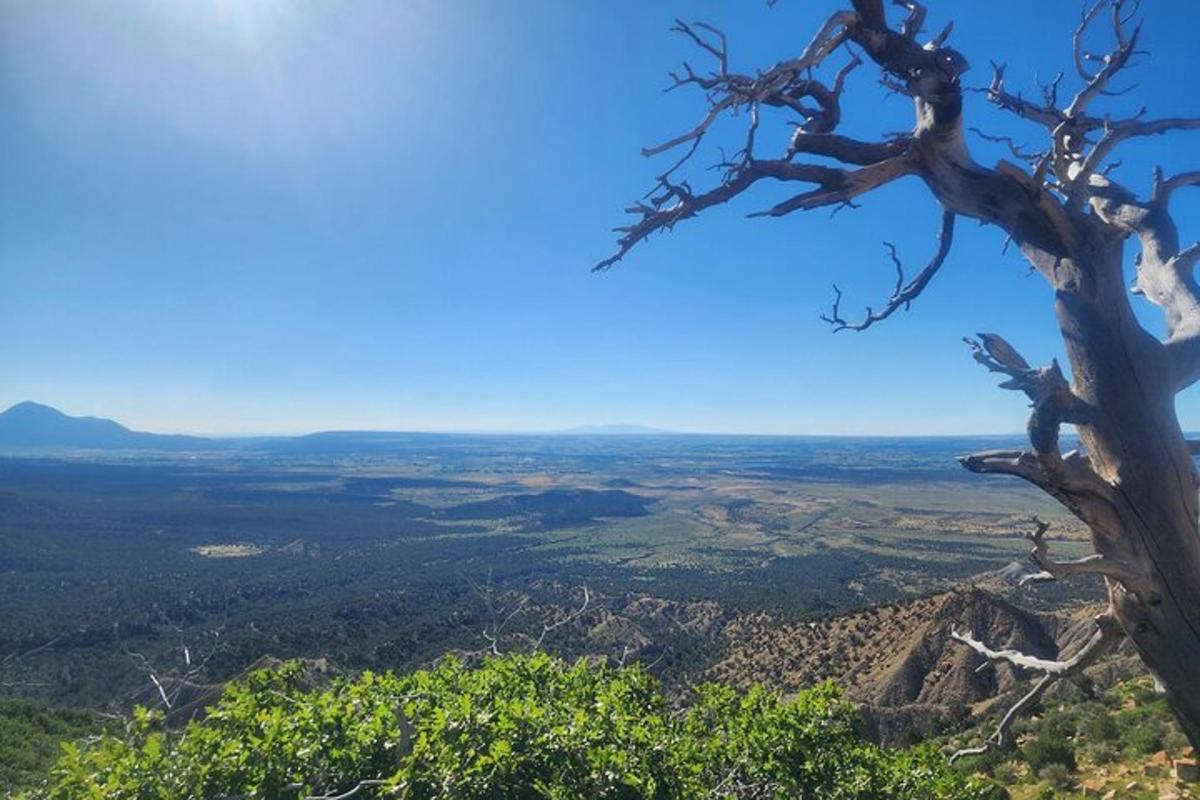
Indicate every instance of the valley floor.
{"type": "Point", "coordinates": [144, 578]}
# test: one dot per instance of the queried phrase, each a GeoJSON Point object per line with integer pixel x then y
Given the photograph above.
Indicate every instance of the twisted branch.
{"type": "Point", "coordinates": [833, 186]}
{"type": "Point", "coordinates": [1048, 391]}
{"type": "Point", "coordinates": [1095, 564]}
{"type": "Point", "coordinates": [574, 615]}
{"type": "Point", "coordinates": [904, 293]}
{"type": "Point", "coordinates": [1126, 45]}
{"type": "Point", "coordinates": [1082, 142]}
{"type": "Point", "coordinates": [788, 85]}
{"type": "Point", "coordinates": [1108, 632]}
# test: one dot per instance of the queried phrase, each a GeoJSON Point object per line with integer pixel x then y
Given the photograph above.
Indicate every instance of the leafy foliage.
{"type": "Point", "coordinates": [514, 727]}
{"type": "Point", "coordinates": [1045, 750]}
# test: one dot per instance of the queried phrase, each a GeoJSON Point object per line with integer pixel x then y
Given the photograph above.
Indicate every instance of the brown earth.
{"type": "Point", "coordinates": [898, 661]}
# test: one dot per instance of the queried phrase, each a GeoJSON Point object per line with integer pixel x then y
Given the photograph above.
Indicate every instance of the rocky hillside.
{"type": "Point", "coordinates": [898, 661]}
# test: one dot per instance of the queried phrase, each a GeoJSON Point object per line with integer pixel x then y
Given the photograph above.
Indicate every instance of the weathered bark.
{"type": "Point", "coordinates": [1135, 485]}
{"type": "Point", "coordinates": [1143, 512]}
{"type": "Point", "coordinates": [1137, 448]}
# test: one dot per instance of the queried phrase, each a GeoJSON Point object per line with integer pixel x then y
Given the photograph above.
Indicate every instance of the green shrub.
{"type": "Point", "coordinates": [1005, 774]}
{"type": "Point", "coordinates": [1144, 738]}
{"type": "Point", "coordinates": [1175, 740]}
{"type": "Point", "coordinates": [1045, 750]}
{"type": "Point", "coordinates": [1142, 692]}
{"type": "Point", "coordinates": [1144, 724]}
{"type": "Point", "coordinates": [1057, 775]}
{"type": "Point", "coordinates": [1058, 724]}
{"type": "Point", "coordinates": [1099, 726]}
{"type": "Point", "coordinates": [1099, 752]}
{"type": "Point", "coordinates": [515, 727]}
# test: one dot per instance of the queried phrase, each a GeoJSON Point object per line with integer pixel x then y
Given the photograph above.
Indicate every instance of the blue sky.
{"type": "Point", "coordinates": [246, 216]}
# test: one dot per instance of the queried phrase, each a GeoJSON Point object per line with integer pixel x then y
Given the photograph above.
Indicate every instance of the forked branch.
{"type": "Point", "coordinates": [1098, 83]}
{"type": "Point", "coordinates": [832, 186]}
{"type": "Point", "coordinates": [1108, 632]}
{"type": "Point", "coordinates": [788, 85]}
{"type": "Point", "coordinates": [1046, 387]}
{"type": "Point", "coordinates": [1068, 477]}
{"type": "Point", "coordinates": [1095, 564]}
{"type": "Point", "coordinates": [571, 617]}
{"type": "Point", "coordinates": [501, 618]}
{"type": "Point", "coordinates": [170, 686]}
{"type": "Point", "coordinates": [1081, 143]}
{"type": "Point", "coordinates": [904, 293]}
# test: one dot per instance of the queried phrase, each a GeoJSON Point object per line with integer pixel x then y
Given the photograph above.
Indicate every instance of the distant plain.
{"type": "Point", "coordinates": [387, 550]}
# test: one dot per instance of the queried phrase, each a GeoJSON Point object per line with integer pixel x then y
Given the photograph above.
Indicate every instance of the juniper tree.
{"type": "Point", "coordinates": [1134, 482]}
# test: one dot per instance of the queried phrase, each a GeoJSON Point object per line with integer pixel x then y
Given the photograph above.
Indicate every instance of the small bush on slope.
{"type": "Point", "coordinates": [514, 727]}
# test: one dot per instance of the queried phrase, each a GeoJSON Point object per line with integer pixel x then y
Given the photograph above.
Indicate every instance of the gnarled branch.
{"type": "Point", "coordinates": [833, 186]}
{"type": "Point", "coordinates": [1071, 480]}
{"type": "Point", "coordinates": [1047, 389]}
{"type": "Point", "coordinates": [572, 616]}
{"type": "Point", "coordinates": [1165, 270]}
{"type": "Point", "coordinates": [1164, 187]}
{"type": "Point", "coordinates": [1115, 61]}
{"type": "Point", "coordinates": [1082, 142]}
{"type": "Point", "coordinates": [904, 293]}
{"type": "Point", "coordinates": [1095, 564]}
{"type": "Point", "coordinates": [1107, 633]}
{"type": "Point", "coordinates": [1067, 477]}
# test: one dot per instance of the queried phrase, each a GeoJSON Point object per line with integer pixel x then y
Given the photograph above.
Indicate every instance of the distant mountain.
{"type": "Point", "coordinates": [33, 425]}
{"type": "Point", "coordinates": [615, 430]}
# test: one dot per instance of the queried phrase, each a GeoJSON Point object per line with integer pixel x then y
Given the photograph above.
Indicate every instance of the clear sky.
{"type": "Point", "coordinates": [245, 216]}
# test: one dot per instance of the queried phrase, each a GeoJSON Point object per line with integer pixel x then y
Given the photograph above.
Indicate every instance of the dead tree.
{"type": "Point", "coordinates": [1135, 483]}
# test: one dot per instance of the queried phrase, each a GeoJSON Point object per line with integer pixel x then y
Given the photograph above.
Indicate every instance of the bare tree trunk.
{"type": "Point", "coordinates": [1147, 518]}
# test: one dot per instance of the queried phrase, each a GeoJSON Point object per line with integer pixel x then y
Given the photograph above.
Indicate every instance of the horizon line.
{"type": "Point", "coordinates": [597, 430]}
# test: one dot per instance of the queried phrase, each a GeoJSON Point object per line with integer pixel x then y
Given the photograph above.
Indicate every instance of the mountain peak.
{"type": "Point", "coordinates": [35, 425]}
{"type": "Point", "coordinates": [27, 407]}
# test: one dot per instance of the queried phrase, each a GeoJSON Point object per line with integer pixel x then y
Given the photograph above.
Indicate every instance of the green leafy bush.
{"type": "Point", "coordinates": [1141, 727]}
{"type": "Point", "coordinates": [1100, 726]}
{"type": "Point", "coordinates": [1143, 738]}
{"type": "Point", "coordinates": [1046, 749]}
{"type": "Point", "coordinates": [1059, 723]}
{"type": "Point", "coordinates": [1005, 774]}
{"type": "Point", "coordinates": [1098, 753]}
{"type": "Point", "coordinates": [514, 727]}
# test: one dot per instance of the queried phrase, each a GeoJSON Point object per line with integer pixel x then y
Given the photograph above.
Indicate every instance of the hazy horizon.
{"type": "Point", "coordinates": [596, 428]}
